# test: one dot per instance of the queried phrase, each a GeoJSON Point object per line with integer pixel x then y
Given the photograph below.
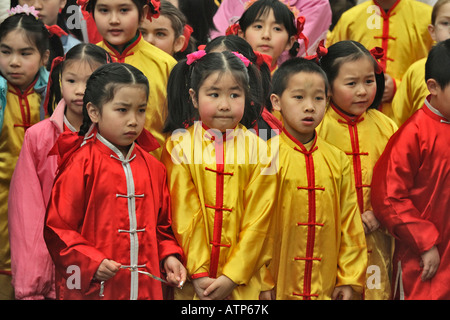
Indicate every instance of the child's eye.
{"type": "Point", "coordinates": [161, 34]}
{"type": "Point", "coordinates": [351, 83]}
{"type": "Point", "coordinates": [124, 10]}
{"type": "Point", "coordinates": [142, 110]}
{"type": "Point", "coordinates": [257, 26]}
{"type": "Point", "coordinates": [5, 52]}
{"type": "Point", "coordinates": [277, 28]}
{"type": "Point", "coordinates": [70, 80]}
{"type": "Point", "coordinates": [320, 98]}
{"type": "Point", "coordinates": [121, 109]}
{"type": "Point", "coordinates": [143, 31]}
{"type": "Point", "coordinates": [235, 95]}
{"type": "Point", "coordinates": [298, 97]}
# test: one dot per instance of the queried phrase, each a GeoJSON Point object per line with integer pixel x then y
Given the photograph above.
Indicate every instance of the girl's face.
{"type": "Point", "coordinates": [159, 32]}
{"type": "Point", "coordinates": [354, 88]}
{"type": "Point", "coordinates": [267, 36]}
{"type": "Point", "coordinates": [122, 119]}
{"type": "Point", "coordinates": [20, 60]}
{"type": "Point", "coordinates": [440, 31]}
{"type": "Point", "coordinates": [117, 20]}
{"type": "Point", "coordinates": [73, 84]}
{"type": "Point", "coordinates": [220, 101]}
{"type": "Point", "coordinates": [302, 104]}
{"type": "Point", "coordinates": [48, 9]}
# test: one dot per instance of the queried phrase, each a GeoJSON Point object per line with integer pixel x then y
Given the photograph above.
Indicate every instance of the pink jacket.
{"type": "Point", "coordinates": [31, 184]}
{"type": "Point", "coordinates": [316, 12]}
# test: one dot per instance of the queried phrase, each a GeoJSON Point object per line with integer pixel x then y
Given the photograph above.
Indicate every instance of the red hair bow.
{"type": "Point", "coordinates": [56, 61]}
{"type": "Point", "coordinates": [83, 4]}
{"type": "Point", "coordinates": [300, 26]}
{"type": "Point", "coordinates": [56, 30]}
{"type": "Point", "coordinates": [377, 53]}
{"type": "Point", "coordinates": [320, 52]}
{"type": "Point", "coordinates": [187, 31]}
{"type": "Point", "coordinates": [233, 29]}
{"type": "Point", "coordinates": [153, 10]}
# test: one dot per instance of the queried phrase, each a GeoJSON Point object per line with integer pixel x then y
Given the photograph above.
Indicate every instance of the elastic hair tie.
{"type": "Point", "coordinates": [187, 31]}
{"type": "Point", "coordinates": [194, 56]}
{"type": "Point", "coordinates": [243, 58]}
{"type": "Point", "coordinates": [24, 9]}
{"type": "Point", "coordinates": [377, 53]}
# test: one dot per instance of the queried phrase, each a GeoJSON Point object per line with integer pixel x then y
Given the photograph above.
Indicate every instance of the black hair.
{"type": "Point", "coordinates": [36, 32]}
{"type": "Point", "coordinates": [90, 7]}
{"type": "Point", "coordinates": [291, 67]}
{"type": "Point", "coordinates": [438, 63]}
{"type": "Point", "coordinates": [103, 84]}
{"type": "Point", "coordinates": [281, 12]}
{"type": "Point", "coordinates": [181, 111]}
{"type": "Point", "coordinates": [87, 52]}
{"type": "Point", "coordinates": [199, 14]}
{"type": "Point", "coordinates": [349, 50]}
{"type": "Point", "coordinates": [238, 44]}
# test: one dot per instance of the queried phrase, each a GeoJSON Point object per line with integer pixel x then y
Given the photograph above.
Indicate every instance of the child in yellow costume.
{"type": "Point", "coordinates": [124, 43]}
{"type": "Point", "coordinates": [412, 91]}
{"type": "Point", "coordinates": [399, 27]}
{"type": "Point", "coordinates": [219, 174]}
{"type": "Point", "coordinates": [320, 249]}
{"type": "Point", "coordinates": [25, 48]}
{"type": "Point", "coordinates": [353, 124]}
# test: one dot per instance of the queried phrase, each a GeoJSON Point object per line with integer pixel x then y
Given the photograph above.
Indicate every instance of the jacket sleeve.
{"type": "Point", "coordinates": [352, 258]}
{"type": "Point", "coordinates": [31, 264]}
{"type": "Point", "coordinates": [62, 231]}
{"type": "Point", "coordinates": [393, 179]}
{"type": "Point", "coordinates": [188, 222]}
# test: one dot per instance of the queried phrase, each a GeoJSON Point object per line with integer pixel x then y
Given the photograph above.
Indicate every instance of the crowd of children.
{"type": "Point", "coordinates": [279, 159]}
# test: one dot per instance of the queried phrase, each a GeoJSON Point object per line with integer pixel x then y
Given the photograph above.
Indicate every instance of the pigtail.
{"type": "Point", "coordinates": [181, 111]}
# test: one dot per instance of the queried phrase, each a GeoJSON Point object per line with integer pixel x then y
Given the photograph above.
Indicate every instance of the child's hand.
{"type": "Point", "coordinates": [430, 263]}
{"type": "Point", "coordinates": [200, 284]}
{"type": "Point", "coordinates": [176, 272]}
{"type": "Point", "coordinates": [267, 295]}
{"type": "Point", "coordinates": [107, 270]}
{"type": "Point", "coordinates": [370, 222]}
{"type": "Point", "coordinates": [342, 293]}
{"type": "Point", "coordinates": [220, 289]}
{"type": "Point", "coordinates": [389, 87]}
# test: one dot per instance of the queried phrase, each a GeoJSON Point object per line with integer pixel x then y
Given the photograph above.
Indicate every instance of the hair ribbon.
{"type": "Point", "coordinates": [24, 9]}
{"type": "Point", "coordinates": [56, 61]}
{"type": "Point", "coordinates": [56, 30]}
{"type": "Point", "coordinates": [377, 53]}
{"type": "Point", "coordinates": [243, 59]}
{"type": "Point", "coordinates": [233, 29]}
{"type": "Point", "coordinates": [187, 31]}
{"type": "Point", "coordinates": [153, 9]}
{"type": "Point", "coordinates": [320, 52]}
{"type": "Point", "coordinates": [300, 35]}
{"type": "Point", "coordinates": [262, 58]}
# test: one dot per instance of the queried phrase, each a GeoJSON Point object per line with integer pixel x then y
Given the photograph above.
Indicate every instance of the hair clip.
{"type": "Point", "coordinates": [243, 58]}
{"type": "Point", "coordinates": [194, 56]}
{"type": "Point", "coordinates": [25, 9]}
{"type": "Point", "coordinates": [300, 35]}
{"type": "Point", "coordinates": [187, 31]}
{"type": "Point", "coordinates": [233, 29]}
{"type": "Point", "coordinates": [56, 30]}
{"type": "Point", "coordinates": [377, 53]}
{"type": "Point", "coordinates": [153, 9]}
{"type": "Point", "coordinates": [320, 52]}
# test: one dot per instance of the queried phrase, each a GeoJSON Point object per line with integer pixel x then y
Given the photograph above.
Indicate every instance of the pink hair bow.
{"type": "Point", "coordinates": [194, 56]}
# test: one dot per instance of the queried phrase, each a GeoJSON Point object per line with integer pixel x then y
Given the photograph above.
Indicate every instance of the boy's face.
{"type": "Point", "coordinates": [302, 104]}
{"type": "Point", "coordinates": [440, 97]}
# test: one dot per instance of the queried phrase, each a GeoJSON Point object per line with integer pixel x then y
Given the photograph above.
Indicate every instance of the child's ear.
{"type": "Point", "coordinates": [193, 98]}
{"type": "Point", "coordinates": [433, 86]}
{"type": "Point", "coordinates": [62, 4]}
{"type": "Point", "coordinates": [178, 44]}
{"type": "Point", "coordinates": [290, 43]}
{"type": "Point", "coordinates": [45, 57]}
{"type": "Point", "coordinates": [432, 31]}
{"type": "Point", "coordinates": [93, 112]}
{"type": "Point", "coordinates": [275, 100]}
